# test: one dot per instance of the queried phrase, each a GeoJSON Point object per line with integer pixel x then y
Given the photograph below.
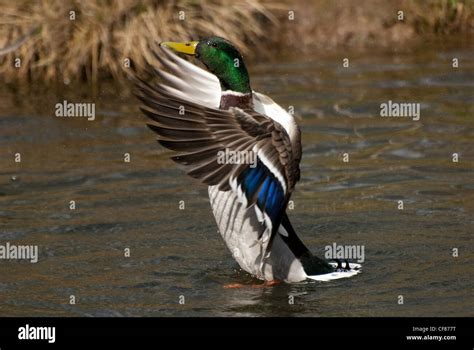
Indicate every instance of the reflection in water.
{"type": "Point", "coordinates": [177, 253]}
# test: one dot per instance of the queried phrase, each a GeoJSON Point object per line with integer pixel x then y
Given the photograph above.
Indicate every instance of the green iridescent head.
{"type": "Point", "coordinates": [221, 58]}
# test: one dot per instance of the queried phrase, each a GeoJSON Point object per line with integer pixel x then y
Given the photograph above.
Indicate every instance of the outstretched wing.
{"type": "Point", "coordinates": [187, 81]}
{"type": "Point", "coordinates": [188, 121]}
{"type": "Point", "coordinates": [204, 135]}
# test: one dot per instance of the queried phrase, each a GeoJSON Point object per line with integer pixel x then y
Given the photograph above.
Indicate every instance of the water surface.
{"type": "Point", "coordinates": [179, 253]}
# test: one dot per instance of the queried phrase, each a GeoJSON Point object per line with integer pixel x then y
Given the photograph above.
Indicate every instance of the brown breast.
{"type": "Point", "coordinates": [241, 101]}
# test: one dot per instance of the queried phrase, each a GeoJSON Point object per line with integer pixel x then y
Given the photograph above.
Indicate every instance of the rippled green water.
{"type": "Point", "coordinates": [178, 252]}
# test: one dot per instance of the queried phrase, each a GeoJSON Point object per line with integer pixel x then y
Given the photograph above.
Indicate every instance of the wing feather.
{"type": "Point", "coordinates": [186, 119]}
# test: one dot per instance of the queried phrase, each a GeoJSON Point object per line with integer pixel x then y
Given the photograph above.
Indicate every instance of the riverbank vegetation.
{"type": "Point", "coordinates": [72, 40]}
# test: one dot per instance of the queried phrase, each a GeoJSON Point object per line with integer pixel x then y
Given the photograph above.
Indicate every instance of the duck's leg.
{"type": "Point", "coordinates": [233, 285]}
{"type": "Point", "coordinates": [271, 283]}
{"type": "Point", "coordinates": [252, 285]}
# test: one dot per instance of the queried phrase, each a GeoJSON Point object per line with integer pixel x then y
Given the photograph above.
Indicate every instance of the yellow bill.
{"type": "Point", "coordinates": [188, 48]}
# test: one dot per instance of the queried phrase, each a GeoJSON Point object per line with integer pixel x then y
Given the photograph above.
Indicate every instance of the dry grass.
{"type": "Point", "coordinates": [374, 23]}
{"type": "Point", "coordinates": [442, 17]}
{"type": "Point", "coordinates": [52, 47]}
{"type": "Point", "coordinates": [105, 33]}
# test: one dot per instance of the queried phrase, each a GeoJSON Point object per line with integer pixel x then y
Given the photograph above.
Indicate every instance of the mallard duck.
{"type": "Point", "coordinates": [204, 114]}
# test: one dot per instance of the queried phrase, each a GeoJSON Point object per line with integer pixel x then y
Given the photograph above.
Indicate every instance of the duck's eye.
{"type": "Point", "coordinates": [211, 44]}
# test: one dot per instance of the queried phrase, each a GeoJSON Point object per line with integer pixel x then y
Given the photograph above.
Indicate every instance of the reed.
{"type": "Point", "coordinates": [70, 40]}
{"type": "Point", "coordinates": [73, 40]}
